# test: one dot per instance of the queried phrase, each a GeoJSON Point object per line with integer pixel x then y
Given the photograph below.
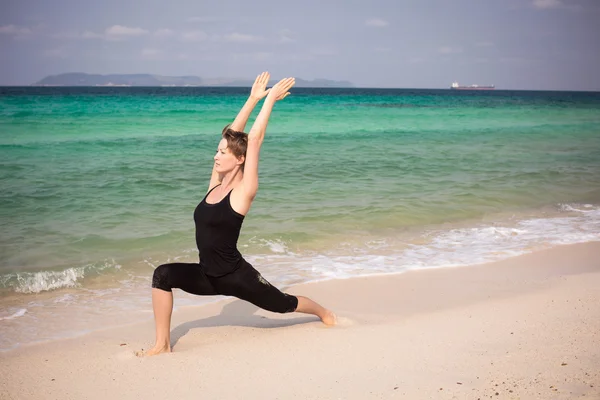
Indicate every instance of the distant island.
{"type": "Point", "coordinates": [82, 79]}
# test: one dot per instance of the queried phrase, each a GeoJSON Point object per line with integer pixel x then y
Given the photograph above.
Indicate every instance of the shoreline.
{"type": "Point", "coordinates": [497, 327]}
{"type": "Point", "coordinates": [292, 288]}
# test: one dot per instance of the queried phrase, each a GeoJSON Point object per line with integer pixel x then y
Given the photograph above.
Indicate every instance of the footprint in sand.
{"type": "Point", "coordinates": [126, 355]}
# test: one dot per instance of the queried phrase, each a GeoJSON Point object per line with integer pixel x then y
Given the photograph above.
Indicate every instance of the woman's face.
{"type": "Point", "coordinates": [225, 160]}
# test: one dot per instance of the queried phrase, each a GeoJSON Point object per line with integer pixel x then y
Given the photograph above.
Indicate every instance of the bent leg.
{"type": "Point", "coordinates": [162, 304]}
{"type": "Point", "coordinates": [188, 277]}
{"type": "Point", "coordinates": [185, 276]}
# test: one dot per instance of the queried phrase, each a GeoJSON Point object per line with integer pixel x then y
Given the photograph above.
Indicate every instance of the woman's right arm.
{"type": "Point", "coordinates": [258, 91]}
{"type": "Point", "coordinates": [255, 138]}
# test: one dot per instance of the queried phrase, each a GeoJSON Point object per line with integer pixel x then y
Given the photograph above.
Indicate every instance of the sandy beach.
{"type": "Point", "coordinates": [522, 328]}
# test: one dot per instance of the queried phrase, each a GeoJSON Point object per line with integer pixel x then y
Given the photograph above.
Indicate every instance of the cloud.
{"type": "Point", "coordinates": [164, 33]}
{"type": "Point", "coordinates": [91, 35]}
{"type": "Point", "coordinates": [121, 31]}
{"type": "Point", "coordinates": [194, 36]}
{"type": "Point", "coordinates": [14, 30]}
{"type": "Point", "coordinates": [115, 32]}
{"type": "Point", "coordinates": [376, 22]}
{"type": "Point", "coordinates": [484, 44]}
{"type": "Point", "coordinates": [450, 50]}
{"type": "Point", "coordinates": [382, 49]}
{"type": "Point", "coordinates": [545, 4]}
{"type": "Point", "coordinates": [242, 38]}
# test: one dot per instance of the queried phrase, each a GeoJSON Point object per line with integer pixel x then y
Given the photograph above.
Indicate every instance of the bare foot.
{"type": "Point", "coordinates": [329, 319]}
{"type": "Point", "coordinates": [157, 349]}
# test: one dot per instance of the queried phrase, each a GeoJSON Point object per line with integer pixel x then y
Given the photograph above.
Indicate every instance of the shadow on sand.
{"type": "Point", "coordinates": [236, 313]}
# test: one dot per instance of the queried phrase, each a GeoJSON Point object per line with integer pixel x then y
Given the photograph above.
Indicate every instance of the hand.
{"type": "Point", "coordinates": [279, 91]}
{"type": "Point", "coordinates": [259, 86]}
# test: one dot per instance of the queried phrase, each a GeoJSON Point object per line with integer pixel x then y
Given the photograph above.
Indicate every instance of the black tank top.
{"type": "Point", "coordinates": [217, 230]}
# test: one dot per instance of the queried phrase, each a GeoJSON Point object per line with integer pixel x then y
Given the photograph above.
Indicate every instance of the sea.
{"type": "Point", "coordinates": [99, 185]}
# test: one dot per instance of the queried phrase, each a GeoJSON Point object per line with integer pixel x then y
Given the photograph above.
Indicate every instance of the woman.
{"type": "Point", "coordinates": [222, 269]}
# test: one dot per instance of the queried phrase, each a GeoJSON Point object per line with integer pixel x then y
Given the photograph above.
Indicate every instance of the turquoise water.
{"type": "Point", "coordinates": [99, 186]}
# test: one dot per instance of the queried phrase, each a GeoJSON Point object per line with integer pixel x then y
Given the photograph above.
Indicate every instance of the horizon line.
{"type": "Point", "coordinates": [301, 87]}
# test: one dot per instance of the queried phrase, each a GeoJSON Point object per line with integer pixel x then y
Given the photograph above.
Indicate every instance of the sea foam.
{"type": "Point", "coordinates": [41, 281]}
{"type": "Point", "coordinates": [19, 313]}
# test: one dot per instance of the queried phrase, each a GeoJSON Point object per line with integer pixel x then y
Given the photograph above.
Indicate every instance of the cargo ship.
{"type": "Point", "coordinates": [456, 86]}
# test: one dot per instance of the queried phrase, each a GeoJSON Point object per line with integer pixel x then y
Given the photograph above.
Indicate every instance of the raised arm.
{"type": "Point", "coordinates": [255, 138]}
{"type": "Point", "coordinates": [256, 94]}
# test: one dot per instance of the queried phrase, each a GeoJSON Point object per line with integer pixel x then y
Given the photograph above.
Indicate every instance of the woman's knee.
{"type": "Point", "coordinates": [160, 278]}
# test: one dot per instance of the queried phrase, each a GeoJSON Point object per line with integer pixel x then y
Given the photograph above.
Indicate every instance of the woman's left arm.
{"type": "Point", "coordinates": [255, 138]}
{"type": "Point", "coordinates": [256, 94]}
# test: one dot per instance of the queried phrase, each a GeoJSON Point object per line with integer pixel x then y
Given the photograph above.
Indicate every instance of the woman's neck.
{"type": "Point", "coordinates": [231, 179]}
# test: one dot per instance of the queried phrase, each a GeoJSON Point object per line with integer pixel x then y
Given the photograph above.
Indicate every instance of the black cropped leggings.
{"type": "Point", "coordinates": [245, 283]}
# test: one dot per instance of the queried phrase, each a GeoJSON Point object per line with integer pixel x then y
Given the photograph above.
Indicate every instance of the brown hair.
{"type": "Point", "coordinates": [237, 141]}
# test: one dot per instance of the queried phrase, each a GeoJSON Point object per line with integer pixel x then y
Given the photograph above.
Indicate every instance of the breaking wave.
{"type": "Point", "coordinates": [42, 281]}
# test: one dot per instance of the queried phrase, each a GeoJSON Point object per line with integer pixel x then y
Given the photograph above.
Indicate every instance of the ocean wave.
{"type": "Point", "coordinates": [43, 281]}
{"type": "Point", "coordinates": [275, 246]}
{"type": "Point", "coordinates": [48, 280]}
{"type": "Point", "coordinates": [584, 208]}
{"type": "Point", "coordinates": [19, 313]}
{"type": "Point", "coordinates": [475, 245]}
{"type": "Point", "coordinates": [435, 248]}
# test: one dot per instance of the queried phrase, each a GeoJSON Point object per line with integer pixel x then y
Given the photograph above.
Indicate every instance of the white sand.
{"type": "Point", "coordinates": [524, 328]}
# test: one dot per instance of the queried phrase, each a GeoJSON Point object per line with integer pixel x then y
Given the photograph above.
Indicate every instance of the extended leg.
{"type": "Point", "coordinates": [248, 284]}
{"type": "Point", "coordinates": [307, 306]}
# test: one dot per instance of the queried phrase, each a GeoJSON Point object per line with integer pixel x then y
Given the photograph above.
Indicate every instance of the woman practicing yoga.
{"type": "Point", "coordinates": [222, 269]}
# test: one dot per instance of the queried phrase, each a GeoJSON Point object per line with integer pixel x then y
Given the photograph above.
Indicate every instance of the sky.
{"type": "Point", "coordinates": [513, 44]}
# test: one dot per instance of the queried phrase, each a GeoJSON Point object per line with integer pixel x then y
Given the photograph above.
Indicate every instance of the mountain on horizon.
{"type": "Point", "coordinates": [83, 79]}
